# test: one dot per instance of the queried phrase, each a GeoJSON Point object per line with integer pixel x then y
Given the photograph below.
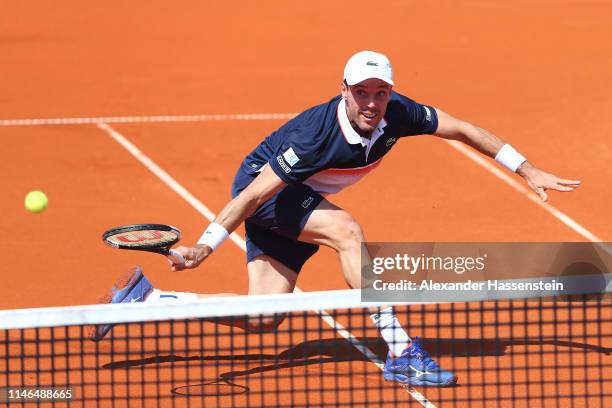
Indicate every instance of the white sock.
{"type": "Point", "coordinates": [391, 330]}
{"type": "Point", "coordinates": [158, 296]}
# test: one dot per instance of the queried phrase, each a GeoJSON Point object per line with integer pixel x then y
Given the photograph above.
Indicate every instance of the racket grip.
{"type": "Point", "coordinates": [176, 257]}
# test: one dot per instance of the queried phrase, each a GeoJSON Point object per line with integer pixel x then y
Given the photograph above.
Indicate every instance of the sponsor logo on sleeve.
{"type": "Point", "coordinates": [390, 141]}
{"type": "Point", "coordinates": [291, 157]}
{"type": "Point", "coordinates": [427, 114]}
{"type": "Point", "coordinates": [283, 165]}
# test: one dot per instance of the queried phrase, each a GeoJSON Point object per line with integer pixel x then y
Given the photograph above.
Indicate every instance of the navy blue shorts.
{"type": "Point", "coordinates": [274, 227]}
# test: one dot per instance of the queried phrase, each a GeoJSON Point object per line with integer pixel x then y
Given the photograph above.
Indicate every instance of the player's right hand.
{"type": "Point", "coordinates": [194, 256]}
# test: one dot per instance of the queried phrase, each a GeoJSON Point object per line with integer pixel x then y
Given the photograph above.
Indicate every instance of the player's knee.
{"type": "Point", "coordinates": [349, 234]}
{"type": "Point", "coordinates": [264, 323]}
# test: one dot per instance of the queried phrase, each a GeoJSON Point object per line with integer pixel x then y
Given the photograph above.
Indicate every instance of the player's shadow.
{"type": "Point", "coordinates": [328, 351]}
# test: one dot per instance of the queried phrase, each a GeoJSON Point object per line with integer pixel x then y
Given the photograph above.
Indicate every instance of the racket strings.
{"type": "Point", "coordinates": [143, 238]}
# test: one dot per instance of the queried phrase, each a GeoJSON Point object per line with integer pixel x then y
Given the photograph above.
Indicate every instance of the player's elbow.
{"type": "Point", "coordinates": [461, 131]}
{"type": "Point", "coordinates": [249, 200]}
{"type": "Point", "coordinates": [259, 192]}
{"type": "Point", "coordinates": [260, 198]}
{"type": "Point", "coordinates": [466, 130]}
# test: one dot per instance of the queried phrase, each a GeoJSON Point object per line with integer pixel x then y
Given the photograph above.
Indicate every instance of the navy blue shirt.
{"type": "Point", "coordinates": [320, 148]}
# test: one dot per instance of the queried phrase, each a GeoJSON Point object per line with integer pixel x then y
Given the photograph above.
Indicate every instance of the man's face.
{"type": "Point", "coordinates": [366, 104]}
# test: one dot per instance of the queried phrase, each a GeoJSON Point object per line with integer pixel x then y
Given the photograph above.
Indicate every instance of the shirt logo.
{"type": "Point", "coordinates": [372, 63]}
{"type": "Point", "coordinates": [428, 114]}
{"type": "Point", "coordinates": [390, 141]}
{"type": "Point", "coordinates": [283, 165]}
{"type": "Point", "coordinates": [291, 157]}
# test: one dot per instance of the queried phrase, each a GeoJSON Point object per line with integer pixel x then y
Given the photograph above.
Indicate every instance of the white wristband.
{"type": "Point", "coordinates": [509, 158]}
{"type": "Point", "coordinates": [214, 235]}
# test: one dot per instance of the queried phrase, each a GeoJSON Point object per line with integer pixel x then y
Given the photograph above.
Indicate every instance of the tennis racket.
{"type": "Point", "coordinates": [156, 238]}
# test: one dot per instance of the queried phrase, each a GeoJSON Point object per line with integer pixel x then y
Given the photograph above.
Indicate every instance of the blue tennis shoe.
{"type": "Point", "coordinates": [416, 367]}
{"type": "Point", "coordinates": [131, 287]}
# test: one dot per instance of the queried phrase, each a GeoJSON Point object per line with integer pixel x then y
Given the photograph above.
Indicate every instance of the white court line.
{"type": "Point", "coordinates": [552, 210]}
{"type": "Point", "coordinates": [167, 179]}
{"type": "Point", "coordinates": [145, 119]}
{"type": "Point", "coordinates": [506, 178]}
{"type": "Point", "coordinates": [202, 209]}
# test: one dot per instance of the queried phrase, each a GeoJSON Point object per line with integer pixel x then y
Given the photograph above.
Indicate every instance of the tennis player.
{"type": "Point", "coordinates": [280, 192]}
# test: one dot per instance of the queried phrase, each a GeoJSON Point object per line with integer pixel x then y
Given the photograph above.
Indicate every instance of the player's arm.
{"type": "Point", "coordinates": [235, 212]}
{"type": "Point", "coordinates": [492, 146]}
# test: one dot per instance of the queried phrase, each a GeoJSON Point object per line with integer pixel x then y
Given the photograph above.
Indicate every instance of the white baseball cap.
{"type": "Point", "coordinates": [368, 64]}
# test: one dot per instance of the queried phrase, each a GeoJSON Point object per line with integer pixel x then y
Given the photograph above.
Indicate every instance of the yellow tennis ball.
{"type": "Point", "coordinates": [36, 201]}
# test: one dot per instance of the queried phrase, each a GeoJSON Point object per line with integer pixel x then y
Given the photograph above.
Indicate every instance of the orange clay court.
{"type": "Point", "coordinates": [537, 74]}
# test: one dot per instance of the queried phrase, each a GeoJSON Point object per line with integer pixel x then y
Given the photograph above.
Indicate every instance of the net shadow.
{"type": "Point", "coordinates": [339, 350]}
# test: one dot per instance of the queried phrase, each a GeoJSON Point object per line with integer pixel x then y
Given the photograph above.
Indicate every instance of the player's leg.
{"type": "Point", "coordinates": [269, 276]}
{"type": "Point", "coordinates": [334, 227]}
{"type": "Point", "coordinates": [273, 263]}
{"type": "Point", "coordinates": [266, 276]}
{"type": "Point", "coordinates": [407, 361]}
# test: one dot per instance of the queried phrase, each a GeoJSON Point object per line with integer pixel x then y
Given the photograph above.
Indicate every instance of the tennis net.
{"type": "Point", "coordinates": [529, 352]}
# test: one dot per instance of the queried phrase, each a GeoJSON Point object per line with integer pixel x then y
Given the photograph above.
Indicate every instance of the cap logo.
{"type": "Point", "coordinates": [372, 63]}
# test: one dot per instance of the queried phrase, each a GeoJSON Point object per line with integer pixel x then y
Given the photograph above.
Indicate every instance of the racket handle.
{"type": "Point", "coordinates": [176, 257]}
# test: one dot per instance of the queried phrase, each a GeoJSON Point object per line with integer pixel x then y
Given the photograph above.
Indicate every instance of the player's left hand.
{"type": "Point", "coordinates": [540, 181]}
